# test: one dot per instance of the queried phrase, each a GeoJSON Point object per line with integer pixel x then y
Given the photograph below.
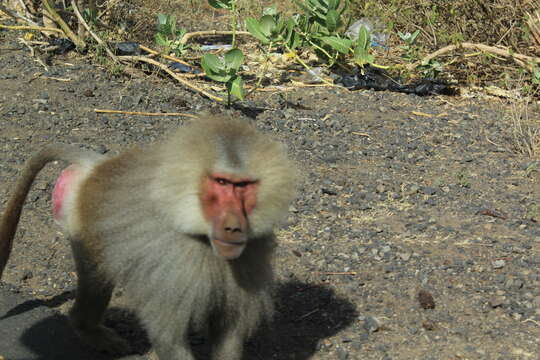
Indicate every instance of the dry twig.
{"type": "Point", "coordinates": [15, 15]}
{"type": "Point", "coordinates": [98, 40]}
{"type": "Point", "coordinates": [25, 27]}
{"type": "Point", "coordinates": [57, 19]}
{"type": "Point", "coordinates": [168, 57]}
{"type": "Point", "coordinates": [107, 111]}
{"type": "Point", "coordinates": [171, 73]}
{"type": "Point", "coordinates": [520, 59]}
{"type": "Point", "coordinates": [188, 36]}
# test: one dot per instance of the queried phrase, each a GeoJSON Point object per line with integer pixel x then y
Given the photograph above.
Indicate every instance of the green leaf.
{"type": "Point", "coordinates": [332, 20]}
{"type": "Point", "coordinates": [236, 88]}
{"type": "Point", "coordinates": [364, 40]}
{"type": "Point", "coordinates": [162, 19]}
{"type": "Point", "coordinates": [234, 59]}
{"type": "Point", "coordinates": [271, 10]}
{"type": "Point", "coordinates": [333, 4]}
{"type": "Point", "coordinates": [221, 4]}
{"type": "Point", "coordinates": [212, 62]}
{"type": "Point", "coordinates": [267, 25]}
{"type": "Point", "coordinates": [161, 40]}
{"type": "Point", "coordinates": [292, 38]}
{"type": "Point", "coordinates": [362, 56]}
{"type": "Point", "coordinates": [254, 29]}
{"type": "Point", "coordinates": [214, 68]}
{"type": "Point", "coordinates": [338, 44]}
{"type": "Point", "coordinates": [412, 39]}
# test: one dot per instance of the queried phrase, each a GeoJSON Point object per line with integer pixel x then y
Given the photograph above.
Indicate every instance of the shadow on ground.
{"type": "Point", "coordinates": [305, 314]}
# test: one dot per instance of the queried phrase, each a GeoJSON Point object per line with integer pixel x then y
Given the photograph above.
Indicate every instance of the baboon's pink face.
{"type": "Point", "coordinates": [227, 201]}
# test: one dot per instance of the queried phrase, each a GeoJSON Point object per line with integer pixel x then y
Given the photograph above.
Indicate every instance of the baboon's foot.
{"type": "Point", "coordinates": [104, 339]}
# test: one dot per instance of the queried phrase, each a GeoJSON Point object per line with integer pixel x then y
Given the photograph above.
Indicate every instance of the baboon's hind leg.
{"type": "Point", "coordinates": [94, 292]}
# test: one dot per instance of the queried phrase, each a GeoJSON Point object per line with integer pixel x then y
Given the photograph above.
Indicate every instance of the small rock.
{"type": "Point", "coordinates": [88, 93]}
{"type": "Point", "coordinates": [380, 188]}
{"type": "Point", "coordinates": [413, 189]}
{"type": "Point", "coordinates": [27, 274]}
{"type": "Point", "coordinates": [498, 264]}
{"type": "Point", "coordinates": [328, 192]}
{"type": "Point", "coordinates": [426, 300]}
{"type": "Point", "coordinates": [342, 354]}
{"type": "Point", "coordinates": [372, 324]}
{"type": "Point", "coordinates": [404, 256]}
{"type": "Point", "coordinates": [102, 149]}
{"type": "Point", "coordinates": [497, 301]}
{"type": "Point", "coordinates": [428, 190]}
{"type": "Point", "coordinates": [428, 325]}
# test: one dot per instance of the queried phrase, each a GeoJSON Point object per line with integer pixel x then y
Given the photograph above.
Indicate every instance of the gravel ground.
{"type": "Point", "coordinates": [415, 234]}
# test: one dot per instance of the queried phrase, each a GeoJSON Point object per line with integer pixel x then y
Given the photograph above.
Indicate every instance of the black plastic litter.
{"type": "Point", "coordinates": [126, 48]}
{"type": "Point", "coordinates": [379, 80]}
{"type": "Point", "coordinates": [184, 68]}
{"type": "Point", "coordinates": [62, 45]}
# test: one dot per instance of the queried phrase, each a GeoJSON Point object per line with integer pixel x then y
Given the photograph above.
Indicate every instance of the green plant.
{"type": "Point", "coordinates": [410, 49]}
{"type": "Point", "coordinates": [225, 70]}
{"type": "Point", "coordinates": [90, 15]}
{"type": "Point", "coordinates": [230, 5]}
{"type": "Point", "coordinates": [320, 27]}
{"type": "Point", "coordinates": [169, 36]}
{"type": "Point", "coordinates": [408, 38]}
{"type": "Point", "coordinates": [536, 75]}
{"type": "Point", "coordinates": [272, 29]}
{"type": "Point", "coordinates": [462, 178]}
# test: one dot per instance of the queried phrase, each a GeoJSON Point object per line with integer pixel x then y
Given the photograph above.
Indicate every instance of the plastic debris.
{"type": "Point", "coordinates": [126, 48]}
{"type": "Point", "coordinates": [379, 80]}
{"type": "Point", "coordinates": [62, 45]}
{"type": "Point", "coordinates": [184, 68]}
{"type": "Point", "coordinates": [373, 26]}
{"type": "Point", "coordinates": [216, 47]}
{"type": "Point", "coordinates": [314, 75]}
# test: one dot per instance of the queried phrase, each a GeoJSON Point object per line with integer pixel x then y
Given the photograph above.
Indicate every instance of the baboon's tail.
{"type": "Point", "coordinates": [12, 212]}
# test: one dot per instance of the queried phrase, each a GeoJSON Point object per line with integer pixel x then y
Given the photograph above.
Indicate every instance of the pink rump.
{"type": "Point", "coordinates": [61, 188]}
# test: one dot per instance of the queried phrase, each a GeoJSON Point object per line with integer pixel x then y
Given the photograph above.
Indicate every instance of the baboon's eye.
{"type": "Point", "coordinates": [221, 181]}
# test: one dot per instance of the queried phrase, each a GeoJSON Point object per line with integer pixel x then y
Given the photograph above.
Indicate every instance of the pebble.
{"type": "Point", "coordinates": [372, 324]}
{"type": "Point", "coordinates": [413, 189]}
{"type": "Point", "coordinates": [426, 300]}
{"type": "Point", "coordinates": [428, 190]}
{"type": "Point", "coordinates": [497, 301]}
{"type": "Point", "coordinates": [498, 264]}
{"type": "Point", "coordinates": [342, 354]}
{"type": "Point", "coordinates": [404, 256]}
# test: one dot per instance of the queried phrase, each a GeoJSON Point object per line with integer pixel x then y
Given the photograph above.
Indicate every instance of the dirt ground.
{"type": "Point", "coordinates": [415, 233]}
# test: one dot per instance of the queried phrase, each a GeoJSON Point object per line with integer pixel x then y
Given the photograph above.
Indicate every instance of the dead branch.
{"type": "Point", "coordinates": [520, 59]}
{"type": "Point", "coordinates": [98, 40]}
{"type": "Point", "coordinates": [107, 111]}
{"type": "Point", "coordinates": [57, 19]}
{"type": "Point", "coordinates": [168, 57]}
{"type": "Point", "coordinates": [15, 15]}
{"type": "Point", "coordinates": [533, 22]}
{"type": "Point", "coordinates": [189, 35]}
{"type": "Point", "coordinates": [24, 27]}
{"type": "Point", "coordinates": [172, 74]}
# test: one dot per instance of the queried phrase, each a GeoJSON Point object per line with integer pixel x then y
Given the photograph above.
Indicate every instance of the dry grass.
{"type": "Point", "coordinates": [525, 127]}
